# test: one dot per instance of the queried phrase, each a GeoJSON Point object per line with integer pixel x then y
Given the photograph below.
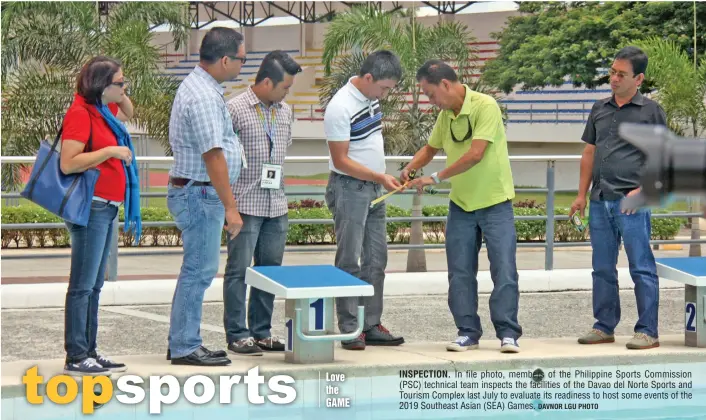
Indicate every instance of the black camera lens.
{"type": "Point", "coordinates": [674, 165]}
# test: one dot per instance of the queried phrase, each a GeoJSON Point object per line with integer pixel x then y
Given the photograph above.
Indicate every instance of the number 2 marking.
{"type": "Point", "coordinates": [690, 316]}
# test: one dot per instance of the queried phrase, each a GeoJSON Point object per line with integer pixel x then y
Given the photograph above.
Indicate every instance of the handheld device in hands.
{"type": "Point", "coordinates": [412, 173]}
{"type": "Point", "coordinates": [577, 222]}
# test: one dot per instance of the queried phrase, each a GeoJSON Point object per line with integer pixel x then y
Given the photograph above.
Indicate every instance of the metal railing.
{"type": "Point", "coordinates": [549, 244]}
{"type": "Point", "coordinates": [532, 112]}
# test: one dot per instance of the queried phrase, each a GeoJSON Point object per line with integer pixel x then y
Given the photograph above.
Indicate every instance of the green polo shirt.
{"type": "Point", "coordinates": [490, 181]}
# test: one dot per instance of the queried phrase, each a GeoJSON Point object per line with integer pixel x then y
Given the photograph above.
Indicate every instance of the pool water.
{"type": "Point", "coordinates": [378, 410]}
{"type": "Point", "coordinates": [378, 398]}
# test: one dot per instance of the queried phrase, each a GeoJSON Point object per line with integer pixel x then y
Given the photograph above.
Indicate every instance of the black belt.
{"type": "Point", "coordinates": [344, 176]}
{"type": "Point", "coordinates": [181, 182]}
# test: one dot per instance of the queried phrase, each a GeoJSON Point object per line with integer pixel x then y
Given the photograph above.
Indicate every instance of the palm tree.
{"type": "Point", "coordinates": [44, 46]}
{"type": "Point", "coordinates": [681, 90]}
{"type": "Point", "coordinates": [407, 126]}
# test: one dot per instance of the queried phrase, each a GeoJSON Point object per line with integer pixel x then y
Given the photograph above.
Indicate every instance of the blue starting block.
{"type": "Point", "coordinates": [692, 272]}
{"type": "Point", "coordinates": [309, 293]}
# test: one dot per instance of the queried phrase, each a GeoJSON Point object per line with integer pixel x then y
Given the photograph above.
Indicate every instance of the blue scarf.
{"type": "Point", "coordinates": [133, 217]}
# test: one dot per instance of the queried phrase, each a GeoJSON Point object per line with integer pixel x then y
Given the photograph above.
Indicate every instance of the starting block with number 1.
{"type": "Point", "coordinates": [309, 292]}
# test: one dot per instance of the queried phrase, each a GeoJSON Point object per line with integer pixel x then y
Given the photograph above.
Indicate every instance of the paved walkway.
{"type": "Point", "coordinates": [417, 318]}
{"type": "Point", "coordinates": [380, 361]}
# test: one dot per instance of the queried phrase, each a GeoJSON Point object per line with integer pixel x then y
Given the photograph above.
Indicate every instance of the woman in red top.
{"type": "Point", "coordinates": [89, 142]}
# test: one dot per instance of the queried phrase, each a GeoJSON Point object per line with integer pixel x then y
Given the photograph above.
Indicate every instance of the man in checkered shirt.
{"type": "Point", "coordinates": [207, 161]}
{"type": "Point", "coordinates": [264, 125]}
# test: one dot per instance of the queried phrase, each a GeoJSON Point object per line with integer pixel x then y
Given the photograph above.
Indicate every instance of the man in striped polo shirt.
{"type": "Point", "coordinates": [353, 125]}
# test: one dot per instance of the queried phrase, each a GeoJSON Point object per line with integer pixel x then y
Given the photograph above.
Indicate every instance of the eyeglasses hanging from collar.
{"type": "Point", "coordinates": [469, 132]}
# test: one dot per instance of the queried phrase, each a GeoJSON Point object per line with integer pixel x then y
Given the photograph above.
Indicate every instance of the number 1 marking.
{"type": "Point", "coordinates": [317, 316]}
{"type": "Point", "coordinates": [290, 334]}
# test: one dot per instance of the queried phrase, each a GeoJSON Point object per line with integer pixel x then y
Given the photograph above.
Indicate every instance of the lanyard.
{"type": "Point", "coordinates": [270, 131]}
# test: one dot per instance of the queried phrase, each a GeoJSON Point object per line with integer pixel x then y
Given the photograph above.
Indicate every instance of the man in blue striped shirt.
{"type": "Point", "coordinates": [353, 126]}
{"type": "Point", "coordinates": [207, 161]}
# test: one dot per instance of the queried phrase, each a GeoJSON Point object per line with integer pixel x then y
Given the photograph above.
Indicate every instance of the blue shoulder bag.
{"type": "Point", "coordinates": [67, 196]}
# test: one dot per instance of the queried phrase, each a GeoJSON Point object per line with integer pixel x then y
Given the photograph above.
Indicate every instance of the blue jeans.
{"type": "Point", "coordinates": [90, 246]}
{"type": "Point", "coordinates": [464, 237]}
{"type": "Point", "coordinates": [264, 239]}
{"type": "Point", "coordinates": [607, 226]}
{"type": "Point", "coordinates": [361, 240]}
{"type": "Point", "coordinates": [199, 215]}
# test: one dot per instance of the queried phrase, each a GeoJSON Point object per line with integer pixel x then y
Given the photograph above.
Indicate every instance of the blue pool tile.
{"type": "Point", "coordinates": [7, 409]}
{"type": "Point", "coordinates": [23, 410]}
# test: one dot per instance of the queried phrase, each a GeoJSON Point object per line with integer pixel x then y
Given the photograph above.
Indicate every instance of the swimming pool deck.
{"type": "Point", "coordinates": [555, 307]}
{"type": "Point", "coordinates": [388, 361]}
{"type": "Point", "coordinates": [373, 380]}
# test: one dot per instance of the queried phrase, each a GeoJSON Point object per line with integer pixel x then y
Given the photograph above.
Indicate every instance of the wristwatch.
{"type": "Point", "coordinates": [435, 177]}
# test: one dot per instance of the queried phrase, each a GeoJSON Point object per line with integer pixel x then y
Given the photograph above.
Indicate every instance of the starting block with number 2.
{"type": "Point", "coordinates": [309, 292]}
{"type": "Point", "coordinates": [692, 272]}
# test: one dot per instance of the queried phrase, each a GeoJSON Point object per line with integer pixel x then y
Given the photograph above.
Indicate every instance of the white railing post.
{"type": "Point", "coordinates": [549, 252]}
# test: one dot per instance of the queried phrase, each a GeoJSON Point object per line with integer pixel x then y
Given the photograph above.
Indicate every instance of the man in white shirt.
{"type": "Point", "coordinates": [353, 125]}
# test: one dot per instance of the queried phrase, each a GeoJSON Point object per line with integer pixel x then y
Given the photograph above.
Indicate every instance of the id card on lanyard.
{"type": "Point", "coordinates": [271, 173]}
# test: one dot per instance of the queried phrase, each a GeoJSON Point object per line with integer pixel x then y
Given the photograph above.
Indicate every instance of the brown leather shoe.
{"type": "Point", "coordinates": [596, 337]}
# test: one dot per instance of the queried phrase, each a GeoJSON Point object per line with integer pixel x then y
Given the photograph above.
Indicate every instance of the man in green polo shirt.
{"type": "Point", "coordinates": [470, 130]}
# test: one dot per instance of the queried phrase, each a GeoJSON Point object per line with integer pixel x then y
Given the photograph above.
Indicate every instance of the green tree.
{"type": "Point", "coordinates": [44, 46]}
{"type": "Point", "coordinates": [552, 40]}
{"type": "Point", "coordinates": [406, 126]}
{"type": "Point", "coordinates": [680, 84]}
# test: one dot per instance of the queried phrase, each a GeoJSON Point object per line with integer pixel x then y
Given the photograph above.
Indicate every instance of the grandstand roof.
{"type": "Point", "coordinates": [251, 13]}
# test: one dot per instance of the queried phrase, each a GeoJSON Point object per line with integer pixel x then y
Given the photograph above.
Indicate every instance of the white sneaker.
{"type": "Point", "coordinates": [462, 343]}
{"type": "Point", "coordinates": [509, 345]}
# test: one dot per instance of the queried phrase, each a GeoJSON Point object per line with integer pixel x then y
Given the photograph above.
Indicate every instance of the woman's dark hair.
{"type": "Point", "coordinates": [95, 76]}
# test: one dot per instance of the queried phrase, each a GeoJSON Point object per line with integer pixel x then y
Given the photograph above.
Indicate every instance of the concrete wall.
{"type": "Point", "coordinates": [480, 24]}
{"type": "Point", "coordinates": [520, 133]}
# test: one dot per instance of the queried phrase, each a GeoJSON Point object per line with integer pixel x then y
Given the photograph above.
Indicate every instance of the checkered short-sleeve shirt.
{"type": "Point", "coordinates": [247, 123]}
{"type": "Point", "coordinates": [200, 122]}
